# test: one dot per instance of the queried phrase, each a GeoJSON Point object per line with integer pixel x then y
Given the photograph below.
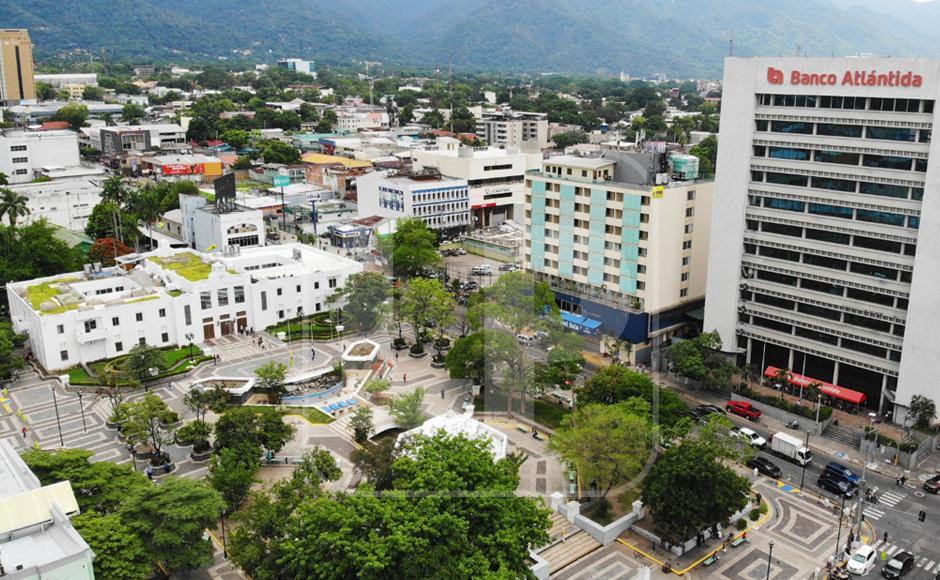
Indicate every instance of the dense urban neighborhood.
{"type": "Point", "coordinates": [270, 317]}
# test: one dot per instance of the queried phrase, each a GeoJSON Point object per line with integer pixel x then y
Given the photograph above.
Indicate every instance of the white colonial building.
{"type": "Point", "coordinates": [24, 154]}
{"type": "Point", "coordinates": [443, 203]}
{"type": "Point", "coordinates": [169, 295]}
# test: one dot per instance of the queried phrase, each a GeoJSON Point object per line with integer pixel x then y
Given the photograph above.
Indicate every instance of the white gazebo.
{"type": "Point", "coordinates": [454, 423]}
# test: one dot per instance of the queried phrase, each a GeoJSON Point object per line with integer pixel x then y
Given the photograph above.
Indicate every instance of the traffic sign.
{"type": "Point", "coordinates": [281, 180]}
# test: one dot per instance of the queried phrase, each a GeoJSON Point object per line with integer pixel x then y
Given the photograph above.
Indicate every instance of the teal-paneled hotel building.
{"type": "Point", "coordinates": [618, 249]}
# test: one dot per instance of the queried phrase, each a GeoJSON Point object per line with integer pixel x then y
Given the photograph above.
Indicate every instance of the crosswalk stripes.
{"type": "Point", "coordinates": [873, 513]}
{"type": "Point", "coordinates": [925, 563]}
{"type": "Point", "coordinates": [888, 498]}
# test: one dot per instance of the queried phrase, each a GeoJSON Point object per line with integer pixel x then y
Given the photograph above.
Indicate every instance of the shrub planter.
{"type": "Point", "coordinates": [200, 455]}
{"type": "Point", "coordinates": [417, 351]}
{"type": "Point", "coordinates": [438, 362]}
{"type": "Point", "coordinates": [442, 344]}
{"type": "Point", "coordinates": [145, 452]}
{"type": "Point", "coordinates": [399, 344]}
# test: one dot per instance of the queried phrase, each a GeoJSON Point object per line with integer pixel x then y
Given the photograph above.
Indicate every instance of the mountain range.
{"type": "Point", "coordinates": [682, 38]}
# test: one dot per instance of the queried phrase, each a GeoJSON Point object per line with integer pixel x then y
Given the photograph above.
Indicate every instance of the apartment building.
{"type": "Point", "coordinates": [298, 65]}
{"type": "Point", "coordinates": [167, 296]}
{"type": "Point", "coordinates": [506, 128]}
{"type": "Point", "coordinates": [74, 83]}
{"type": "Point", "coordinates": [828, 262]}
{"type": "Point", "coordinates": [495, 177]}
{"type": "Point", "coordinates": [24, 153]}
{"type": "Point", "coordinates": [66, 202]}
{"type": "Point", "coordinates": [16, 67]}
{"type": "Point", "coordinates": [442, 202]}
{"type": "Point", "coordinates": [625, 257]}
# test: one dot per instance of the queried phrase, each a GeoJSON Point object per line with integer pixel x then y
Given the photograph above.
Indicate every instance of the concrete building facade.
{"type": "Point", "coordinates": [826, 260]}
{"type": "Point", "coordinates": [495, 176]}
{"type": "Point", "coordinates": [23, 153]}
{"type": "Point", "coordinates": [442, 202]}
{"type": "Point", "coordinates": [16, 66]}
{"type": "Point", "coordinates": [507, 128]}
{"type": "Point", "coordinates": [169, 295]}
{"type": "Point", "coordinates": [627, 255]}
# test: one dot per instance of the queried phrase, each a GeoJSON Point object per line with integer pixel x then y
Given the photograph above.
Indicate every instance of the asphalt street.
{"type": "Point", "coordinates": [896, 511]}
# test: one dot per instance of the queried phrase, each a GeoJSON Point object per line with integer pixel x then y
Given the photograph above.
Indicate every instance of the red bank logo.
{"type": "Point", "coordinates": [774, 76]}
{"type": "Point", "coordinates": [857, 78]}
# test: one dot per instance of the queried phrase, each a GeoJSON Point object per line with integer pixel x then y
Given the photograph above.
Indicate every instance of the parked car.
{"type": "Point", "coordinates": [525, 339]}
{"type": "Point", "coordinates": [743, 409]}
{"type": "Point", "coordinates": [862, 561]}
{"type": "Point", "coordinates": [461, 252]}
{"type": "Point", "coordinates": [899, 565]}
{"type": "Point", "coordinates": [703, 412]}
{"type": "Point", "coordinates": [483, 270]}
{"type": "Point", "coordinates": [765, 466]}
{"type": "Point", "coordinates": [835, 485]}
{"type": "Point", "coordinates": [932, 485]}
{"type": "Point", "coordinates": [751, 437]}
{"type": "Point", "coordinates": [842, 473]}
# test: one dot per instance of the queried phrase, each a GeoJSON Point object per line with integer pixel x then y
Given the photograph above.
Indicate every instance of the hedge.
{"type": "Point", "coordinates": [806, 411]}
{"type": "Point", "coordinates": [178, 358]}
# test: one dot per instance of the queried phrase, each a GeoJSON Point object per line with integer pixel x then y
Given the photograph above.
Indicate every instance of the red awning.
{"type": "Point", "coordinates": [828, 389]}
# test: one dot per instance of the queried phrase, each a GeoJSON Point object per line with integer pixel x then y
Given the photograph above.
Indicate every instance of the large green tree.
{"type": "Point", "coordinates": [453, 513]}
{"type": "Point", "coordinates": [170, 520]}
{"type": "Point", "coordinates": [609, 444]}
{"type": "Point", "coordinates": [413, 248]}
{"type": "Point", "coordinates": [406, 408]}
{"type": "Point", "coordinates": [364, 294]}
{"type": "Point", "coordinates": [519, 302]}
{"type": "Point", "coordinates": [149, 421]}
{"type": "Point", "coordinates": [271, 377]}
{"type": "Point", "coordinates": [257, 543]}
{"type": "Point", "coordinates": [232, 475]}
{"type": "Point", "coordinates": [616, 383]}
{"type": "Point", "coordinates": [279, 152]}
{"type": "Point", "coordinates": [119, 553]}
{"type": "Point", "coordinates": [75, 114]}
{"type": "Point", "coordinates": [10, 360]}
{"type": "Point", "coordinates": [424, 299]}
{"type": "Point", "coordinates": [252, 429]}
{"type": "Point", "coordinates": [690, 489]}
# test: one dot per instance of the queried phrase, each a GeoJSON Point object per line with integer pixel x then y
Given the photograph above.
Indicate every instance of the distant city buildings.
{"type": "Point", "coordinates": [16, 67]}
{"type": "Point", "coordinates": [298, 65]}
{"type": "Point", "coordinates": [506, 128]}
{"type": "Point", "coordinates": [24, 154]}
{"type": "Point", "coordinates": [74, 83]}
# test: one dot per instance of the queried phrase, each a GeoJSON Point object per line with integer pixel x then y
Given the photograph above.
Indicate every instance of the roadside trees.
{"type": "Point", "coordinates": [406, 408]}
{"type": "Point", "coordinates": [609, 444]}
{"type": "Point", "coordinates": [615, 383]}
{"type": "Point", "coordinates": [423, 299]}
{"type": "Point", "coordinates": [364, 295]}
{"type": "Point", "coordinates": [252, 429]}
{"type": "Point", "coordinates": [232, 474]}
{"type": "Point", "coordinates": [413, 248]}
{"type": "Point", "coordinates": [150, 421]}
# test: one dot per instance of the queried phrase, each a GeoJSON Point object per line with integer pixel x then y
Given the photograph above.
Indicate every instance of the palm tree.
{"type": "Point", "coordinates": [782, 376]}
{"type": "Point", "coordinates": [13, 205]}
{"type": "Point", "coordinates": [4, 180]}
{"type": "Point", "coordinates": [749, 374]}
{"type": "Point", "coordinates": [812, 391]}
{"type": "Point", "coordinates": [147, 205]}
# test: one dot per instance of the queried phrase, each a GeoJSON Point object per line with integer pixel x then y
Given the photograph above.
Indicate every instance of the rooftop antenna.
{"type": "Point", "coordinates": [450, 85]}
{"type": "Point", "coordinates": [731, 44]}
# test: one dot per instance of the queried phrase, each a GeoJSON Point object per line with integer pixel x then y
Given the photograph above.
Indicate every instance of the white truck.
{"type": "Point", "coordinates": [790, 447]}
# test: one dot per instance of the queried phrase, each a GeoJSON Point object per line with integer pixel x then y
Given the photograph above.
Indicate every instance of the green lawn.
{"type": "Point", "coordinates": [311, 414]}
{"type": "Point", "coordinates": [545, 413]}
{"type": "Point", "coordinates": [549, 414]}
{"type": "Point", "coordinates": [187, 265]}
{"type": "Point", "coordinates": [37, 294]}
{"type": "Point", "coordinates": [78, 375]}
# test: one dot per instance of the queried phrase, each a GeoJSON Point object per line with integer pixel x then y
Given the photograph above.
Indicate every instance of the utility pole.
{"type": "Point", "coordinates": [55, 403]}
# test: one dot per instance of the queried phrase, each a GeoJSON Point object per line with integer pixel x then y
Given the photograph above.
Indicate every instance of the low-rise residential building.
{"type": "Point", "coordinates": [495, 176]}
{"type": "Point", "coordinates": [74, 83]}
{"type": "Point", "coordinates": [333, 172]}
{"type": "Point", "coordinates": [37, 539]}
{"type": "Point", "coordinates": [508, 128]}
{"type": "Point", "coordinates": [624, 250]}
{"type": "Point", "coordinates": [357, 117]}
{"type": "Point", "coordinates": [23, 153]}
{"type": "Point", "coordinates": [120, 140]}
{"type": "Point", "coordinates": [269, 171]}
{"type": "Point", "coordinates": [442, 202]}
{"type": "Point", "coordinates": [32, 114]}
{"type": "Point", "coordinates": [164, 297]}
{"type": "Point", "coordinates": [66, 203]}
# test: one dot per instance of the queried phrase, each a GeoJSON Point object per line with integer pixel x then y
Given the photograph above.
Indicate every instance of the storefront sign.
{"type": "Point", "coordinates": [849, 78]}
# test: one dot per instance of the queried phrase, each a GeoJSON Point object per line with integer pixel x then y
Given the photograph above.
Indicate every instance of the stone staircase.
{"type": "Point", "coordinates": [568, 544]}
{"type": "Point", "coordinates": [849, 436]}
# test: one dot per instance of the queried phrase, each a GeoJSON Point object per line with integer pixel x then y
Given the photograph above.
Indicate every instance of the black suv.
{"type": "Point", "coordinates": [765, 466]}
{"type": "Point", "coordinates": [899, 565]}
{"type": "Point", "coordinates": [831, 483]}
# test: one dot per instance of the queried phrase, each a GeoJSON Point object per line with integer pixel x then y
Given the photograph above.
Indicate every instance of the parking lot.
{"type": "Point", "coordinates": [462, 267]}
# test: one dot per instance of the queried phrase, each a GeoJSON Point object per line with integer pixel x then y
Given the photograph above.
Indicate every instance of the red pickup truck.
{"type": "Point", "coordinates": [744, 409]}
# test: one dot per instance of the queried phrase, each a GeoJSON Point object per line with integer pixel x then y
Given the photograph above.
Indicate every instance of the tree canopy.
{"type": "Point", "coordinates": [616, 383]}
{"type": "Point", "coordinates": [364, 294]}
{"type": "Point", "coordinates": [413, 248]}
{"type": "Point", "coordinates": [252, 429]}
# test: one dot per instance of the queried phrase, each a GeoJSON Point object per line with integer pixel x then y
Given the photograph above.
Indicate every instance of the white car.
{"type": "Point", "coordinates": [862, 561]}
{"type": "Point", "coordinates": [483, 270]}
{"type": "Point", "coordinates": [525, 339]}
{"type": "Point", "coordinates": [752, 437]}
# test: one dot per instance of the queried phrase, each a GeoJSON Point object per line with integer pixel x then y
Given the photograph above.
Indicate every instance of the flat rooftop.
{"type": "Point", "coordinates": [580, 162]}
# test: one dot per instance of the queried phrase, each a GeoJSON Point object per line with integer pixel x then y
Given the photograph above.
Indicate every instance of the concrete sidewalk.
{"type": "Point", "coordinates": [823, 444]}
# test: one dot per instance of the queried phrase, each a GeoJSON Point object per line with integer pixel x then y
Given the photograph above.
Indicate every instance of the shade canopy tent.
{"type": "Point", "coordinates": [827, 389]}
{"type": "Point", "coordinates": [580, 323]}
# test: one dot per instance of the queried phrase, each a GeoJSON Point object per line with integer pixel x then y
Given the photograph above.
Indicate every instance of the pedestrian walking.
{"type": "Point", "coordinates": [149, 473]}
{"type": "Point", "coordinates": [903, 479]}
{"type": "Point", "coordinates": [442, 393]}
{"type": "Point", "coordinates": [396, 355]}
{"type": "Point", "coordinates": [404, 378]}
{"type": "Point", "coordinates": [24, 430]}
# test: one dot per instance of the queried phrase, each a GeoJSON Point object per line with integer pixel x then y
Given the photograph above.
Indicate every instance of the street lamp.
{"type": "Point", "coordinates": [55, 403]}
{"type": "Point", "coordinates": [835, 556]}
{"type": "Point", "coordinates": [770, 558]}
{"type": "Point", "coordinates": [224, 546]}
{"type": "Point", "coordinates": [803, 474]}
{"type": "Point", "coordinates": [189, 337]}
{"type": "Point", "coordinates": [858, 502]}
{"type": "Point", "coordinates": [82, 407]}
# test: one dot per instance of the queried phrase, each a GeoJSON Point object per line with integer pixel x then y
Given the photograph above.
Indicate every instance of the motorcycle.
{"type": "Point", "coordinates": [794, 424]}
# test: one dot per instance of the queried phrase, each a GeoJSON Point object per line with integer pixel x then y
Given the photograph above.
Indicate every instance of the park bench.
{"type": "Point", "coordinates": [711, 560]}
{"type": "Point", "coordinates": [738, 542]}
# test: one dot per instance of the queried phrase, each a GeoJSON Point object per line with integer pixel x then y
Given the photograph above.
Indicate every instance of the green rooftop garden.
{"type": "Point", "coordinates": [175, 293]}
{"type": "Point", "coordinates": [143, 299]}
{"type": "Point", "coordinates": [38, 294]}
{"type": "Point", "coordinates": [187, 265]}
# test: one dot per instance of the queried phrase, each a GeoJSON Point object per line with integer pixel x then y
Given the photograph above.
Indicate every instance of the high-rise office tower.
{"type": "Point", "coordinates": [16, 66]}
